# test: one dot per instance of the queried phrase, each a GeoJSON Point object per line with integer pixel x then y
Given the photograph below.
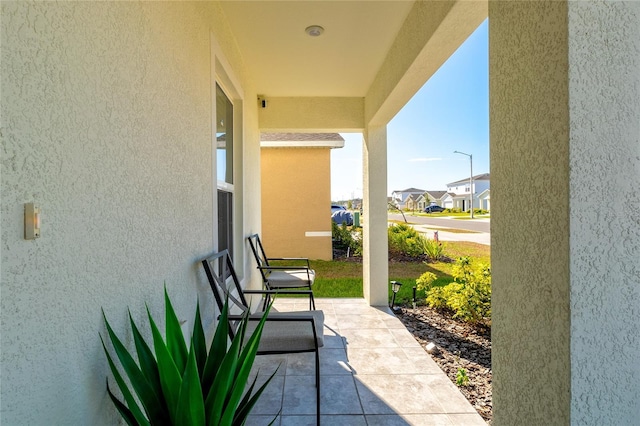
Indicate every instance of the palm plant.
{"type": "Point", "coordinates": [179, 385]}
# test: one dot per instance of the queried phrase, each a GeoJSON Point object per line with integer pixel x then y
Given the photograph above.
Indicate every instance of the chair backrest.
{"type": "Point", "coordinates": [259, 254]}
{"type": "Point", "coordinates": [225, 284]}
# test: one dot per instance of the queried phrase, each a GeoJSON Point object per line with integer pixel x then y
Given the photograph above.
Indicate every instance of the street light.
{"type": "Point", "coordinates": [470, 181]}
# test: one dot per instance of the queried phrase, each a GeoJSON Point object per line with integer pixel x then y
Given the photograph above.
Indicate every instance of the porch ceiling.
{"type": "Point", "coordinates": [342, 62]}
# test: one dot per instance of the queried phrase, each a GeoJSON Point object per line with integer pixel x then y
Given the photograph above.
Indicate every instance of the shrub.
{"type": "Point", "coordinates": [469, 297]}
{"type": "Point", "coordinates": [345, 238]}
{"type": "Point", "coordinates": [404, 240]}
{"type": "Point", "coordinates": [434, 250]}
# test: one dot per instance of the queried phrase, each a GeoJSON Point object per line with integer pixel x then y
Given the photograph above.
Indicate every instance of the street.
{"type": "Point", "coordinates": [478, 228]}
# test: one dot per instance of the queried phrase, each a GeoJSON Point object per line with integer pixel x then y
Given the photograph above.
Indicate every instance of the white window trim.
{"type": "Point", "coordinates": [222, 74]}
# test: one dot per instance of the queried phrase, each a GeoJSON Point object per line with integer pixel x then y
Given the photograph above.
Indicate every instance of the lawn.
{"type": "Point", "coordinates": [344, 278]}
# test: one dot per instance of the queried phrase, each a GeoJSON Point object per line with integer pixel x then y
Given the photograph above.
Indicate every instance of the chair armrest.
{"type": "Point", "coordinates": [281, 318]}
{"type": "Point", "coordinates": [285, 268]}
{"type": "Point", "coordinates": [305, 259]}
{"type": "Point", "coordinates": [276, 292]}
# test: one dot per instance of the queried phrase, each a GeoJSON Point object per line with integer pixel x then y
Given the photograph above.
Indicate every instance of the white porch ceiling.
{"type": "Point", "coordinates": [342, 62]}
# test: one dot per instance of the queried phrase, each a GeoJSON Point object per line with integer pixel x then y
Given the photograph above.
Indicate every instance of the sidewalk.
{"type": "Point", "coordinates": [443, 235]}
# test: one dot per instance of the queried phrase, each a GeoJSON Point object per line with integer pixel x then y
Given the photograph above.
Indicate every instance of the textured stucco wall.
{"type": "Point", "coordinates": [530, 212]}
{"type": "Point", "coordinates": [604, 82]}
{"type": "Point", "coordinates": [296, 198]}
{"type": "Point", "coordinates": [106, 124]}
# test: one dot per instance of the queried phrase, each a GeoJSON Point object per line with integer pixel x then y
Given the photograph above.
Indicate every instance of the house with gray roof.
{"type": "Point", "coordinates": [460, 192]}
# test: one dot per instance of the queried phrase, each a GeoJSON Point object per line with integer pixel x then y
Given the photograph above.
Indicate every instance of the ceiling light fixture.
{"type": "Point", "coordinates": [314, 30]}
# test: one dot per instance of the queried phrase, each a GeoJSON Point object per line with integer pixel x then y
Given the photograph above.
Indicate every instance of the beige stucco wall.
{"type": "Point", "coordinates": [604, 87]}
{"type": "Point", "coordinates": [565, 124]}
{"type": "Point", "coordinates": [296, 199]}
{"type": "Point", "coordinates": [530, 252]}
{"type": "Point", "coordinates": [106, 124]}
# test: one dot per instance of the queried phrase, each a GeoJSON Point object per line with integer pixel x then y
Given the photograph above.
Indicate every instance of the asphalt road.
{"type": "Point", "coordinates": [478, 225]}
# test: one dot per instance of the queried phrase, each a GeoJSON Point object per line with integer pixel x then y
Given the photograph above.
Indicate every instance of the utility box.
{"type": "Point", "coordinates": [356, 219]}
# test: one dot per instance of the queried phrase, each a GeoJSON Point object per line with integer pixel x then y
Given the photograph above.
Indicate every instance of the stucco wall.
{"type": "Point", "coordinates": [296, 199]}
{"type": "Point", "coordinates": [604, 82]}
{"type": "Point", "coordinates": [530, 212]}
{"type": "Point", "coordinates": [106, 124]}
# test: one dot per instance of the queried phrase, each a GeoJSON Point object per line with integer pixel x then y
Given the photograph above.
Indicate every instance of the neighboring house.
{"type": "Point", "coordinates": [460, 191]}
{"type": "Point", "coordinates": [399, 198]}
{"type": "Point", "coordinates": [297, 166]}
{"type": "Point", "coordinates": [412, 202]}
{"type": "Point", "coordinates": [484, 199]}
{"type": "Point", "coordinates": [431, 197]}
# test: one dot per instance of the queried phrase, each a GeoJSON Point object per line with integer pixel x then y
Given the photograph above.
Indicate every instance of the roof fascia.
{"type": "Point", "coordinates": [428, 37]}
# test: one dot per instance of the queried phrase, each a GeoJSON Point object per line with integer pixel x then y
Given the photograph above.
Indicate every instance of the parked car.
{"type": "Point", "coordinates": [433, 209]}
{"type": "Point", "coordinates": [340, 215]}
{"type": "Point", "coordinates": [337, 207]}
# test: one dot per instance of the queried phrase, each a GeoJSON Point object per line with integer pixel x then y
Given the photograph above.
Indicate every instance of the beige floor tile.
{"type": "Point", "coordinates": [360, 321]}
{"type": "Point", "coordinates": [329, 420]}
{"type": "Point", "coordinates": [270, 401]}
{"type": "Point", "coordinates": [448, 395]}
{"type": "Point", "coordinates": [420, 356]}
{"type": "Point", "coordinates": [467, 420]}
{"type": "Point", "coordinates": [386, 361]}
{"type": "Point", "coordinates": [409, 419]}
{"type": "Point", "coordinates": [404, 338]}
{"type": "Point", "coordinates": [369, 338]}
{"type": "Point", "coordinates": [388, 394]}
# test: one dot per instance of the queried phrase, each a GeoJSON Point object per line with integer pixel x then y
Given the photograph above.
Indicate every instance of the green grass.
{"type": "Point", "coordinates": [344, 279]}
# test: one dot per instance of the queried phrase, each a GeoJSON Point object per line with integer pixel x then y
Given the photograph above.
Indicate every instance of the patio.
{"type": "Point", "coordinates": [373, 372]}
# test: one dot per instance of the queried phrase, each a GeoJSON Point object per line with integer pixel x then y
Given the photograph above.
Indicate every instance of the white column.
{"type": "Point", "coordinates": [375, 252]}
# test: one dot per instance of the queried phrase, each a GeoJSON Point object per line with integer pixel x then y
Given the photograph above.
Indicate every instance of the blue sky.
{"type": "Point", "coordinates": [449, 113]}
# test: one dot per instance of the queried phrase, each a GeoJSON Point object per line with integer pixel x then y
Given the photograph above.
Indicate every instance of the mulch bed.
{"type": "Point", "coordinates": [459, 345]}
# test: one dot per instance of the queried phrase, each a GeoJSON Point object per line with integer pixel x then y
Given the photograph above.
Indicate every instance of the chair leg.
{"type": "Point", "coordinates": [312, 302]}
{"type": "Point", "coordinates": [317, 387]}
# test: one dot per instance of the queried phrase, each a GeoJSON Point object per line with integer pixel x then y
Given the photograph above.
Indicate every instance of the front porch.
{"type": "Point", "coordinates": [373, 372]}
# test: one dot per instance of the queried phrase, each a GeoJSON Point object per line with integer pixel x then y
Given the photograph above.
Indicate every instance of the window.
{"type": "Point", "coordinates": [224, 169]}
{"type": "Point", "coordinates": [224, 137]}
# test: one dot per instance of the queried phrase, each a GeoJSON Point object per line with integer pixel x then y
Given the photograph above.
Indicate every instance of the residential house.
{"type": "Point", "coordinates": [399, 198]}
{"type": "Point", "coordinates": [432, 197]}
{"type": "Point", "coordinates": [296, 193]}
{"type": "Point", "coordinates": [460, 191]}
{"type": "Point", "coordinates": [484, 199]}
{"type": "Point", "coordinates": [111, 113]}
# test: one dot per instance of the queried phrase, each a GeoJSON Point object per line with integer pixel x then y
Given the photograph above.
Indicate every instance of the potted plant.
{"type": "Point", "coordinates": [178, 384]}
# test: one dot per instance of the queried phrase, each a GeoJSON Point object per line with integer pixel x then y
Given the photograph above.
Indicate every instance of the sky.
{"type": "Point", "coordinates": [449, 113]}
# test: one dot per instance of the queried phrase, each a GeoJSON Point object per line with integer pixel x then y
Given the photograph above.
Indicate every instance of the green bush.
{"type": "Point", "coordinates": [404, 240]}
{"type": "Point", "coordinates": [469, 297]}
{"type": "Point", "coordinates": [347, 238]}
{"type": "Point", "coordinates": [434, 250]}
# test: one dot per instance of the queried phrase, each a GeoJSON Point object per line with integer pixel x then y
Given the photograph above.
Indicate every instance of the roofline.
{"type": "Point", "coordinates": [302, 144]}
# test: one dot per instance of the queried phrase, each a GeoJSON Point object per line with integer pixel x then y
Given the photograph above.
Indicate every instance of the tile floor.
{"type": "Point", "coordinates": [373, 372]}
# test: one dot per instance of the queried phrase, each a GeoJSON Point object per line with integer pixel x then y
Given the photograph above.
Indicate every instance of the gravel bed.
{"type": "Point", "coordinates": [458, 345]}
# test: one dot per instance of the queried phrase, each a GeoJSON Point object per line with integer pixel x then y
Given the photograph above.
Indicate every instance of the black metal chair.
{"type": "Point", "coordinates": [277, 277]}
{"type": "Point", "coordinates": [284, 332]}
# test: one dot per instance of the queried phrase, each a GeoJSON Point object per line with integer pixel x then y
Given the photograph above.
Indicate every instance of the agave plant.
{"type": "Point", "coordinates": [179, 385]}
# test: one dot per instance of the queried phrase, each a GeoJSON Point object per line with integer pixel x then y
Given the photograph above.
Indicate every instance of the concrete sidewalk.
{"type": "Point", "coordinates": [443, 235]}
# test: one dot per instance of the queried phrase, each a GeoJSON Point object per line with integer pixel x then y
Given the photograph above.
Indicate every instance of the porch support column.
{"type": "Point", "coordinates": [565, 125]}
{"type": "Point", "coordinates": [375, 259]}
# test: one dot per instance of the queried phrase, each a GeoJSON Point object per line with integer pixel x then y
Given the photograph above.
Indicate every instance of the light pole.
{"type": "Point", "coordinates": [470, 181]}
